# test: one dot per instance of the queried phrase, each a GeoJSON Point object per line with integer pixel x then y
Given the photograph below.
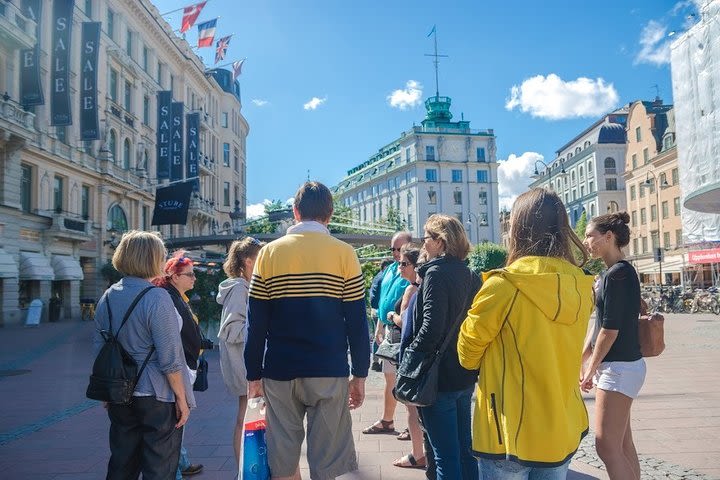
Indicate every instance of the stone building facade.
{"type": "Point", "coordinates": [64, 202]}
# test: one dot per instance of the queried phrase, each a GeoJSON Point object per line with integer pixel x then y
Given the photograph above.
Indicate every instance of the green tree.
{"type": "Point", "coordinates": [487, 256]}
{"type": "Point", "coordinates": [393, 219]}
{"type": "Point", "coordinates": [263, 224]}
{"type": "Point", "coordinates": [202, 296]}
{"type": "Point", "coordinates": [110, 274]}
{"type": "Point", "coordinates": [593, 265]}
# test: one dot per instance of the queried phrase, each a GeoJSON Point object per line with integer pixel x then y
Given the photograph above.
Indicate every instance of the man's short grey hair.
{"type": "Point", "coordinates": [407, 236]}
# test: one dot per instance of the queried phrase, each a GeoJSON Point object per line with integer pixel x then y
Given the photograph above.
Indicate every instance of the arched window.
{"type": "Point", "coordinates": [572, 177]}
{"type": "Point", "coordinates": [590, 168]}
{"type": "Point", "coordinates": [592, 210]}
{"type": "Point", "coordinates": [126, 154]}
{"type": "Point", "coordinates": [581, 173]}
{"type": "Point", "coordinates": [610, 165]}
{"type": "Point", "coordinates": [113, 145]}
{"type": "Point", "coordinates": [117, 220]}
{"type": "Point", "coordinates": [587, 144]}
{"type": "Point", "coordinates": [570, 155]}
{"type": "Point", "coordinates": [578, 150]}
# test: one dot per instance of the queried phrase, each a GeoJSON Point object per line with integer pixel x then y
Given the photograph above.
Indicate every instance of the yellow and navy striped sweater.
{"type": "Point", "coordinates": [307, 306]}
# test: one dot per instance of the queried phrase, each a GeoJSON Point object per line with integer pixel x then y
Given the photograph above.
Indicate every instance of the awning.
{"type": "Point", "coordinates": [66, 268]}
{"type": "Point", "coordinates": [35, 266]}
{"type": "Point", "coordinates": [8, 267]}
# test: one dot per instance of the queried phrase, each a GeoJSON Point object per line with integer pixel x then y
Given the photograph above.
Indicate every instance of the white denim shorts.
{"type": "Point", "coordinates": [623, 377]}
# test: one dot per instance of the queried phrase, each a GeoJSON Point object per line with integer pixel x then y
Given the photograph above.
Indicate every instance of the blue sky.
{"type": "Point", "coordinates": [328, 82]}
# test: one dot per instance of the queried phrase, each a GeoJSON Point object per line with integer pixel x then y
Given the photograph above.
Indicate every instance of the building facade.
{"type": "Point", "coordinates": [653, 193]}
{"type": "Point", "coordinates": [65, 202]}
{"type": "Point", "coordinates": [439, 167]}
{"type": "Point", "coordinates": [587, 172]}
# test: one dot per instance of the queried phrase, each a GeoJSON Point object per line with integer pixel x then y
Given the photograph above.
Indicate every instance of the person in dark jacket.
{"type": "Point", "coordinates": [178, 278]}
{"type": "Point", "coordinates": [444, 296]}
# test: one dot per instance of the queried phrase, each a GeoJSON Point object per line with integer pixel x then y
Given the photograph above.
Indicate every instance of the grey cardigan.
{"type": "Point", "coordinates": [153, 322]}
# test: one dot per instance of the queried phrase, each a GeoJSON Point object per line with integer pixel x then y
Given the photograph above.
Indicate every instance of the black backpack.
{"type": "Point", "coordinates": [115, 372]}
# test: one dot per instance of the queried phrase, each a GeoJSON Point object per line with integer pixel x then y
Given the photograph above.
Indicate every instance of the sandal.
{"type": "Point", "coordinates": [404, 435]}
{"type": "Point", "coordinates": [408, 461]}
{"type": "Point", "coordinates": [385, 426]}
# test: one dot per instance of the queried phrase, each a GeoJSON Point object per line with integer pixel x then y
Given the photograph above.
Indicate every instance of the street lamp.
{"type": "Point", "coordinates": [548, 169]}
{"type": "Point", "coordinates": [659, 252]}
{"type": "Point", "coordinates": [472, 215]}
{"type": "Point", "coordinates": [236, 219]}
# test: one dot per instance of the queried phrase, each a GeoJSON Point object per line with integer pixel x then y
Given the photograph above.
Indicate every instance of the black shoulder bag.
{"type": "Point", "coordinates": [115, 372]}
{"type": "Point", "coordinates": [416, 382]}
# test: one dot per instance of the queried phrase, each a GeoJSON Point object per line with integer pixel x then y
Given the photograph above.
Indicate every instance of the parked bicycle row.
{"type": "Point", "coordinates": [676, 299]}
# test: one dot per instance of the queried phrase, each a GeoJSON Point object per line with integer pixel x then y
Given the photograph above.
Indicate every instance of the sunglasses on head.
{"type": "Point", "coordinates": [254, 241]}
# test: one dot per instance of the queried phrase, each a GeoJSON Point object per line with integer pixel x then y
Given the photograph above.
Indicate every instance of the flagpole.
{"type": "Point", "coordinates": [179, 9]}
{"type": "Point", "coordinates": [224, 64]}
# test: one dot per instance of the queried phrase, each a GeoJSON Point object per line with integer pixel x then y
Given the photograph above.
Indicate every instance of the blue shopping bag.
{"type": "Point", "coordinates": [254, 463]}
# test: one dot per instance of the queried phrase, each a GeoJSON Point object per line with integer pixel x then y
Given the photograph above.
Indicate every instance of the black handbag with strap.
{"type": "Point", "coordinates": [115, 373]}
{"type": "Point", "coordinates": [416, 382]}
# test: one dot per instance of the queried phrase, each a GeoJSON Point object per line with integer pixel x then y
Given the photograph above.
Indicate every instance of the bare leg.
{"type": "Point", "coordinates": [630, 452]}
{"type": "Point", "coordinates": [295, 476]}
{"type": "Point", "coordinates": [239, 422]}
{"type": "Point", "coordinates": [389, 400]}
{"type": "Point", "coordinates": [612, 417]}
{"type": "Point", "coordinates": [415, 432]}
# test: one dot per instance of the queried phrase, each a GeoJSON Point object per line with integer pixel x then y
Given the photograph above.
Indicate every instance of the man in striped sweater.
{"type": "Point", "coordinates": [307, 308]}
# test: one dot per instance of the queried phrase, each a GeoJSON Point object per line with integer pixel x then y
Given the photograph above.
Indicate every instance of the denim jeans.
{"type": "Point", "coordinates": [447, 423]}
{"type": "Point", "coordinates": [509, 470]}
{"type": "Point", "coordinates": [184, 461]}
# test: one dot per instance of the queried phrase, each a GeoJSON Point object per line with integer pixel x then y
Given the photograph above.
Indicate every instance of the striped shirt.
{"type": "Point", "coordinates": [307, 308]}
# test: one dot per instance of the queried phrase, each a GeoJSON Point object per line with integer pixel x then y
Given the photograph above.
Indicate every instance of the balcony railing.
{"type": "Point", "coordinates": [19, 121]}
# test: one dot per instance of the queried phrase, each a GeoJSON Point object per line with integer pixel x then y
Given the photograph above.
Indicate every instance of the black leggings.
{"type": "Point", "coordinates": [143, 438]}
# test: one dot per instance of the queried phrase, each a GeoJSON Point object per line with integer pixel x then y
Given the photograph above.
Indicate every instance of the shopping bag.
{"type": "Point", "coordinates": [254, 462]}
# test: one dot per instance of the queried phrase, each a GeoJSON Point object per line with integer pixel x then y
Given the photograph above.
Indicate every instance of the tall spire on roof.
{"type": "Point", "coordinates": [433, 32]}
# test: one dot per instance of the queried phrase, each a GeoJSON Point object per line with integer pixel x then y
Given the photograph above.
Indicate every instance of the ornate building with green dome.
{"type": "Point", "coordinates": [440, 166]}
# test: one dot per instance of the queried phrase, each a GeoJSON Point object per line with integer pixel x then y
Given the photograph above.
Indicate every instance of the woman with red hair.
{"type": "Point", "coordinates": [178, 278]}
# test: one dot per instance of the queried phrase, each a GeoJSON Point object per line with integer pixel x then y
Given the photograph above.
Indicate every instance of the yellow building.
{"type": "Point", "coordinates": [653, 193]}
{"type": "Point", "coordinates": [64, 202]}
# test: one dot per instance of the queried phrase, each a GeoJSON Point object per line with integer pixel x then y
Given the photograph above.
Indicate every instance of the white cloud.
{"type": "Point", "coordinates": [314, 103]}
{"type": "Point", "coordinates": [514, 176]}
{"type": "Point", "coordinates": [553, 98]}
{"type": "Point", "coordinates": [654, 44]}
{"type": "Point", "coordinates": [259, 102]}
{"type": "Point", "coordinates": [410, 96]}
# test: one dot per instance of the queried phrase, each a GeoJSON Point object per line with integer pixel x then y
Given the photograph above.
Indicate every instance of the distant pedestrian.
{"type": "Point", "coordinates": [307, 307]}
{"type": "Point", "coordinates": [444, 297]}
{"type": "Point", "coordinates": [145, 435]}
{"type": "Point", "coordinates": [524, 331]}
{"type": "Point", "coordinates": [612, 357]}
{"type": "Point", "coordinates": [233, 296]}
{"type": "Point", "coordinates": [392, 287]}
{"type": "Point", "coordinates": [178, 278]}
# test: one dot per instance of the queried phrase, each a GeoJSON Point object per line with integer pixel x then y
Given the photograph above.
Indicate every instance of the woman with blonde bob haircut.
{"type": "Point", "coordinates": [525, 333]}
{"type": "Point", "coordinates": [444, 296]}
{"type": "Point", "coordinates": [145, 435]}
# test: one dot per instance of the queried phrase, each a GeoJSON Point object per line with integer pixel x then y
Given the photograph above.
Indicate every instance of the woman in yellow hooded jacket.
{"type": "Point", "coordinates": [525, 332]}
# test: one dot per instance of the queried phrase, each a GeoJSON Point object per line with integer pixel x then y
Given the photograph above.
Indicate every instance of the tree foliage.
{"type": "Point", "coordinates": [202, 296]}
{"type": "Point", "coordinates": [487, 256]}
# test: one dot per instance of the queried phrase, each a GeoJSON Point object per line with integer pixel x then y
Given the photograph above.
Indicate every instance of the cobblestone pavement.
{"type": "Point", "coordinates": [49, 430]}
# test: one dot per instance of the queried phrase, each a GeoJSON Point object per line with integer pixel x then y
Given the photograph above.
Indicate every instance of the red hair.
{"type": "Point", "coordinates": [174, 265]}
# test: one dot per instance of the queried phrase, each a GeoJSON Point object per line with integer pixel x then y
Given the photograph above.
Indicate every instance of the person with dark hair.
{"type": "Point", "coordinates": [392, 287]}
{"type": "Point", "coordinates": [611, 357]}
{"type": "Point", "coordinates": [307, 307]}
{"type": "Point", "coordinates": [178, 278]}
{"type": "Point", "coordinates": [524, 332]}
{"type": "Point", "coordinates": [233, 296]}
{"type": "Point", "coordinates": [443, 297]}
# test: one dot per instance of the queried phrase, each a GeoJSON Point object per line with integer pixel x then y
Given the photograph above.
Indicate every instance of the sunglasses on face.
{"type": "Point", "coordinates": [424, 239]}
{"type": "Point", "coordinates": [405, 264]}
{"type": "Point", "coordinates": [188, 274]}
{"type": "Point", "coordinates": [393, 249]}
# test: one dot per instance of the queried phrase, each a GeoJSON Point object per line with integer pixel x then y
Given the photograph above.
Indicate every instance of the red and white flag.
{"type": "Point", "coordinates": [237, 68]}
{"type": "Point", "coordinates": [222, 46]}
{"type": "Point", "coordinates": [206, 33]}
{"type": "Point", "coordinates": [190, 14]}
